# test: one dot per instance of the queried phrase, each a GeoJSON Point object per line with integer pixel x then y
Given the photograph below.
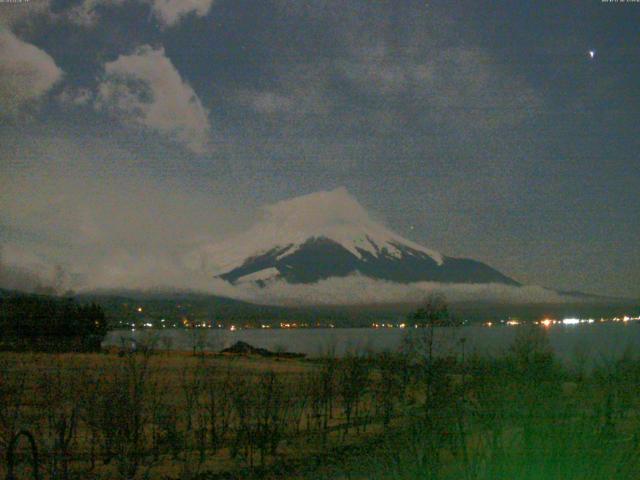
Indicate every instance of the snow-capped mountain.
{"type": "Point", "coordinates": [329, 234]}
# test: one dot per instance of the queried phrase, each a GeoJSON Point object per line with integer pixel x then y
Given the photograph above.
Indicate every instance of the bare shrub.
{"type": "Point", "coordinates": [388, 387]}
{"type": "Point", "coordinates": [13, 422]}
{"type": "Point", "coordinates": [217, 405]}
{"type": "Point", "coordinates": [262, 407]}
{"type": "Point", "coordinates": [61, 402]}
{"type": "Point", "coordinates": [421, 342]}
{"type": "Point", "coordinates": [352, 382]}
{"type": "Point", "coordinates": [12, 400]}
{"type": "Point", "coordinates": [124, 413]}
{"type": "Point", "coordinates": [532, 354]}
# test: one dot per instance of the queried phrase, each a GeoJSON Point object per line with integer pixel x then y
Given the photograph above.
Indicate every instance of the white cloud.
{"type": "Point", "coordinates": [168, 12]}
{"type": "Point", "coordinates": [308, 99]}
{"type": "Point", "coordinates": [267, 102]}
{"type": "Point", "coordinates": [26, 73]}
{"type": "Point", "coordinates": [427, 68]}
{"type": "Point", "coordinates": [160, 269]}
{"type": "Point", "coordinates": [123, 229]}
{"type": "Point", "coordinates": [171, 12]}
{"type": "Point", "coordinates": [145, 89]}
{"type": "Point", "coordinates": [463, 86]}
{"type": "Point", "coordinates": [359, 290]}
{"type": "Point", "coordinates": [110, 216]}
{"type": "Point", "coordinates": [468, 85]}
{"type": "Point", "coordinates": [303, 90]}
{"type": "Point", "coordinates": [151, 272]}
{"type": "Point", "coordinates": [75, 96]}
{"type": "Point", "coordinates": [86, 13]}
{"type": "Point", "coordinates": [14, 13]}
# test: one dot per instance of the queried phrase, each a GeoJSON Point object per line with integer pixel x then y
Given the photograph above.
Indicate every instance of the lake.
{"type": "Point", "coordinates": [596, 342]}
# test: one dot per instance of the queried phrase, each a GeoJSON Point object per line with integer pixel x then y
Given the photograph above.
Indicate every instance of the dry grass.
{"type": "Point", "coordinates": [266, 410]}
{"type": "Point", "coordinates": [517, 417]}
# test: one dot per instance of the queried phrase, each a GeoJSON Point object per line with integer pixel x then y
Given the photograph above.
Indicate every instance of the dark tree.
{"type": "Point", "coordinates": [40, 320]}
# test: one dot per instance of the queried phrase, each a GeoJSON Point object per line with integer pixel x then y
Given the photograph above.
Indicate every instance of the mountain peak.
{"type": "Point", "coordinates": [326, 235]}
{"type": "Point", "coordinates": [287, 225]}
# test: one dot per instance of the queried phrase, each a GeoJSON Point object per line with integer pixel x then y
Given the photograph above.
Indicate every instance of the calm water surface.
{"type": "Point", "coordinates": [598, 342]}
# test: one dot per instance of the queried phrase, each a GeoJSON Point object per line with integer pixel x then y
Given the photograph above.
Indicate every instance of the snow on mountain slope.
{"type": "Point", "coordinates": [259, 276]}
{"type": "Point", "coordinates": [330, 235]}
{"type": "Point", "coordinates": [334, 215]}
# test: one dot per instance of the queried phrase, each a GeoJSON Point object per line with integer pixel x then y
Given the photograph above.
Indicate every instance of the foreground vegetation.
{"type": "Point", "coordinates": [388, 416]}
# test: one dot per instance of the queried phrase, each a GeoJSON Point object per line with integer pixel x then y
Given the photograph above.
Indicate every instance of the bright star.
{"type": "Point", "coordinates": [592, 54]}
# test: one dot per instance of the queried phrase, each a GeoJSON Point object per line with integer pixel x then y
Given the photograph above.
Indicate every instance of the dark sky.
{"type": "Point", "coordinates": [133, 130]}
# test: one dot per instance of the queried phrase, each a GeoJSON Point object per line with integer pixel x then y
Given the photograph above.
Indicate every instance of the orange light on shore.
{"type": "Point", "coordinates": [546, 322]}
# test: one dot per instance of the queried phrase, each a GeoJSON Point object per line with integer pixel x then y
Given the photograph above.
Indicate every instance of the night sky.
{"type": "Point", "coordinates": [131, 131]}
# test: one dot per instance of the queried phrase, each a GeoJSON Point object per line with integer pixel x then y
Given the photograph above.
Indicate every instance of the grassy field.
{"type": "Point", "coordinates": [389, 416]}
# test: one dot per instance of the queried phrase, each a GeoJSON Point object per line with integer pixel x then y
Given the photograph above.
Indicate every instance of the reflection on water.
{"type": "Point", "coordinates": [596, 342]}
